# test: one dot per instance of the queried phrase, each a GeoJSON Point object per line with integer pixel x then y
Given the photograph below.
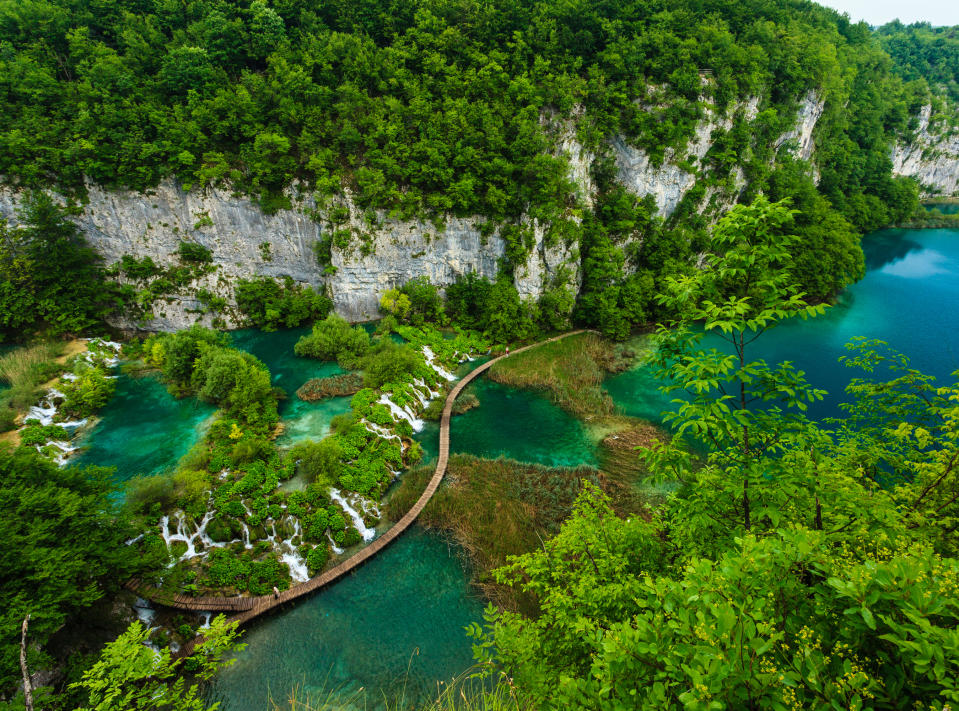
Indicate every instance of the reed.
{"type": "Point", "coordinates": [570, 371]}
{"type": "Point", "coordinates": [29, 365]}
{"type": "Point", "coordinates": [498, 508]}
{"type": "Point", "coordinates": [333, 386]}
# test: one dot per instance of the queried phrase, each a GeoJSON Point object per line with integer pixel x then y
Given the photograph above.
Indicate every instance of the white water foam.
{"type": "Point", "coordinates": [380, 430]}
{"type": "Point", "coordinates": [368, 534]}
{"type": "Point", "coordinates": [440, 370]}
{"type": "Point", "coordinates": [402, 413]}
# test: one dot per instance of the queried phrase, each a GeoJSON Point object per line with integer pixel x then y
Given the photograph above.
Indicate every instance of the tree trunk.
{"type": "Point", "coordinates": [27, 689]}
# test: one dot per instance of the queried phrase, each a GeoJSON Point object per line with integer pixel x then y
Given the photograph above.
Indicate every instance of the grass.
{"type": "Point", "coordinates": [470, 691]}
{"type": "Point", "coordinates": [25, 370]}
{"type": "Point", "coordinates": [570, 370]}
{"type": "Point", "coordinates": [498, 508]}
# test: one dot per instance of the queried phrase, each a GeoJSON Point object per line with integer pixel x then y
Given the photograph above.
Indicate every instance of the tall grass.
{"type": "Point", "coordinates": [24, 370]}
{"type": "Point", "coordinates": [32, 364]}
{"type": "Point", "coordinates": [570, 371]}
{"type": "Point", "coordinates": [498, 508]}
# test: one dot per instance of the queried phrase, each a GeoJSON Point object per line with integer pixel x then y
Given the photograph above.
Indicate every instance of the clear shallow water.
{"type": "Point", "coordinates": [143, 430]}
{"type": "Point", "coordinates": [908, 298]}
{"type": "Point", "coordinates": [302, 420]}
{"type": "Point", "coordinates": [406, 609]}
{"type": "Point", "coordinates": [517, 424]}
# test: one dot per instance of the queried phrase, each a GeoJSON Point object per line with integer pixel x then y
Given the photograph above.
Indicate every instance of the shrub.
{"type": "Point", "coordinates": [193, 252]}
{"type": "Point", "coordinates": [334, 339]}
{"type": "Point", "coordinates": [269, 305]}
{"type": "Point", "coordinates": [88, 392]}
{"type": "Point", "coordinates": [317, 559]}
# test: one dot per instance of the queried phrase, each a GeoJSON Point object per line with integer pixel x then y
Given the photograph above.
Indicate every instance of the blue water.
{"type": "Point", "coordinates": [518, 424]}
{"type": "Point", "coordinates": [908, 298]}
{"type": "Point", "coordinates": [143, 430]}
{"type": "Point", "coordinates": [302, 420]}
{"type": "Point", "coordinates": [395, 626]}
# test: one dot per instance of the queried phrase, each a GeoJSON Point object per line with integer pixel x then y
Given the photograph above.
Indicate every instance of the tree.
{"type": "Point", "coordinates": [775, 622]}
{"type": "Point", "coordinates": [49, 277]}
{"type": "Point", "coordinates": [63, 549]}
{"type": "Point", "coordinates": [129, 676]}
{"type": "Point", "coordinates": [743, 413]}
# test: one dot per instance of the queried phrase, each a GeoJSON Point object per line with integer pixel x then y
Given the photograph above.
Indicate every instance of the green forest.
{"type": "Point", "coordinates": [442, 107]}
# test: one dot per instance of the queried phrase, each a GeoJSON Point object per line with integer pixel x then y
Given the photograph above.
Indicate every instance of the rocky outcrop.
{"type": "Point", "coordinates": [800, 137]}
{"type": "Point", "coordinates": [931, 157]}
{"type": "Point", "coordinates": [246, 242]}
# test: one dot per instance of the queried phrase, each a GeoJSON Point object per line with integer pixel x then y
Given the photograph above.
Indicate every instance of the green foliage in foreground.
{"type": "Point", "coordinates": [62, 550]}
{"type": "Point", "coordinates": [129, 676]}
{"type": "Point", "coordinates": [803, 566]}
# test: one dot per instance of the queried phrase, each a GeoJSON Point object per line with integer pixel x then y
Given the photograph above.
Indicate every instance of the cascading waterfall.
{"type": "Point", "coordinates": [431, 362]}
{"type": "Point", "coordinates": [402, 413]}
{"type": "Point", "coordinates": [298, 569]}
{"type": "Point", "coordinates": [185, 536]}
{"type": "Point", "coordinates": [380, 430]}
{"type": "Point", "coordinates": [368, 534]}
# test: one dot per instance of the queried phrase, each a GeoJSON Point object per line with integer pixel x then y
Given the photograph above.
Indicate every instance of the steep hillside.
{"type": "Point", "coordinates": [572, 146]}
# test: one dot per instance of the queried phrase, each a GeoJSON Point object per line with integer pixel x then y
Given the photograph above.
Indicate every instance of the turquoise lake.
{"type": "Point", "coordinates": [909, 298]}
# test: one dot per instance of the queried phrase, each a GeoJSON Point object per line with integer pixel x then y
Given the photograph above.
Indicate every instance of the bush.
{"type": "Point", "coordinates": [334, 339]}
{"type": "Point", "coordinates": [88, 392]}
{"type": "Point", "coordinates": [146, 493]}
{"type": "Point", "coordinates": [193, 252]}
{"type": "Point", "coordinates": [389, 362]}
{"type": "Point", "coordinates": [317, 559]}
{"type": "Point", "coordinates": [269, 305]}
{"type": "Point", "coordinates": [318, 461]}
{"type": "Point", "coordinates": [33, 434]}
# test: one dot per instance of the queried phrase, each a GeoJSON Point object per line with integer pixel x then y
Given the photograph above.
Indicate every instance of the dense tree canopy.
{"type": "Point", "coordinates": [62, 549]}
{"type": "Point", "coordinates": [433, 105]}
{"type": "Point", "coordinates": [921, 51]}
{"type": "Point", "coordinates": [49, 277]}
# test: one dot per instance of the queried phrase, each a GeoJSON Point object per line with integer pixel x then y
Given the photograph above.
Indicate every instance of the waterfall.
{"type": "Point", "coordinates": [368, 534]}
{"type": "Point", "coordinates": [401, 413]}
{"type": "Point", "coordinates": [380, 430]}
{"type": "Point", "coordinates": [440, 370]}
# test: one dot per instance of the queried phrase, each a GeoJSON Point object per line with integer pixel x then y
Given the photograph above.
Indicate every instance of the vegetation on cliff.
{"type": "Point", "coordinates": [429, 107]}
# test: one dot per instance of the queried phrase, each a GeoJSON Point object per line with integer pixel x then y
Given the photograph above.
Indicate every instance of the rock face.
{"type": "Point", "coordinates": [931, 158]}
{"type": "Point", "coordinates": [810, 111]}
{"type": "Point", "coordinates": [245, 242]}
{"type": "Point", "coordinates": [384, 252]}
{"type": "Point", "coordinates": [668, 182]}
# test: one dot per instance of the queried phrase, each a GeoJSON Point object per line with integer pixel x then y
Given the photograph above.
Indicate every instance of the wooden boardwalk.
{"type": "Point", "coordinates": [246, 608]}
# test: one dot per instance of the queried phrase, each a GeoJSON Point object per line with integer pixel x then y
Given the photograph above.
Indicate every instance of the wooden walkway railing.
{"type": "Point", "coordinates": [246, 608]}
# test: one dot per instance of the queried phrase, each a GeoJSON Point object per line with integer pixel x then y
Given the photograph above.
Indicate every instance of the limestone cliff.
{"type": "Point", "coordinates": [383, 252]}
{"type": "Point", "coordinates": [246, 242]}
{"type": "Point", "coordinates": [932, 158]}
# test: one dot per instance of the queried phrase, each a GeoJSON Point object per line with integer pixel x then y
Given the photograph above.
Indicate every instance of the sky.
{"type": "Point", "coordinates": [879, 12]}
